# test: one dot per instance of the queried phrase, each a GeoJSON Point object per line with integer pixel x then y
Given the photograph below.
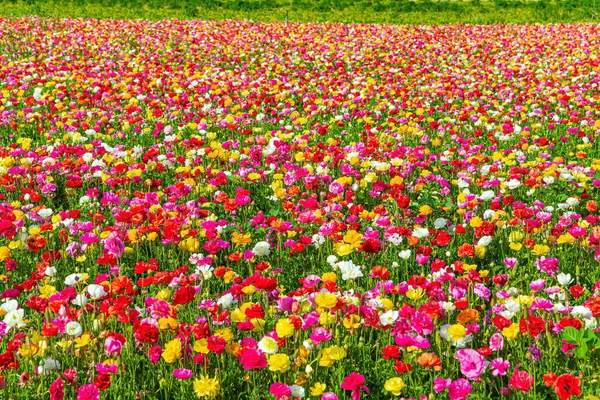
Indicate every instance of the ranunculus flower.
{"type": "Point", "coordinates": [472, 364]}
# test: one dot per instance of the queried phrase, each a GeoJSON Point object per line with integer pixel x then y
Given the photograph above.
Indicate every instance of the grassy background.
{"type": "Point", "coordinates": [347, 11]}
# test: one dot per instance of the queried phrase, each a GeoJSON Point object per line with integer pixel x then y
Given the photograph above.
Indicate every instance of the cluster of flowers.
{"type": "Point", "coordinates": [242, 210]}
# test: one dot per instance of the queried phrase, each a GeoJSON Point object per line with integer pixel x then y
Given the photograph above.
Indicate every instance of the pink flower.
{"type": "Point", "coordinates": [112, 345]}
{"type": "Point", "coordinates": [183, 373]}
{"type": "Point", "coordinates": [354, 382]}
{"type": "Point", "coordinates": [422, 323]}
{"type": "Point", "coordinates": [499, 366]}
{"type": "Point", "coordinates": [253, 359]}
{"type": "Point", "coordinates": [88, 392]}
{"type": "Point", "coordinates": [329, 396]}
{"type": "Point", "coordinates": [497, 342]}
{"type": "Point", "coordinates": [279, 390]}
{"type": "Point", "coordinates": [57, 390]}
{"type": "Point", "coordinates": [459, 389]}
{"type": "Point", "coordinates": [113, 245]}
{"type": "Point", "coordinates": [154, 354]}
{"type": "Point", "coordinates": [472, 364]}
{"type": "Point", "coordinates": [440, 384]}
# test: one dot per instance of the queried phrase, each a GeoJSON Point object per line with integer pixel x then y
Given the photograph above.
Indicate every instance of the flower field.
{"type": "Point", "coordinates": [238, 210]}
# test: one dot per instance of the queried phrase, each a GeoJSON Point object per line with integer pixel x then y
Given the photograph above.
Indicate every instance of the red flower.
{"type": "Point", "coordinates": [391, 351]}
{"type": "Point", "coordinates": [567, 385]}
{"type": "Point", "coordinates": [102, 381]}
{"type": "Point", "coordinates": [533, 325]}
{"type": "Point", "coordinates": [520, 380]}
{"type": "Point", "coordinates": [402, 367]}
{"type": "Point", "coordinates": [576, 291]}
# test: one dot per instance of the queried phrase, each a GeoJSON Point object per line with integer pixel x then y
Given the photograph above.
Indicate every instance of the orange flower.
{"type": "Point", "coordinates": [430, 360]}
{"type": "Point", "coordinates": [468, 316]}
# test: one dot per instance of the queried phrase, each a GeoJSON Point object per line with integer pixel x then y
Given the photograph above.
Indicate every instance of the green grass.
{"type": "Point", "coordinates": [347, 11]}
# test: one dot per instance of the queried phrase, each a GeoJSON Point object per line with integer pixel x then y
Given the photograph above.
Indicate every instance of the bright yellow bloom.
{"type": "Point", "coordinates": [206, 387]}
{"type": "Point", "coordinates": [317, 389]}
{"type": "Point", "coordinates": [172, 351]}
{"type": "Point", "coordinates": [394, 386]}
{"type": "Point", "coordinates": [457, 332]}
{"type": "Point", "coordinates": [279, 363]}
{"type": "Point", "coordinates": [326, 300]}
{"type": "Point", "coordinates": [284, 328]}
{"type": "Point", "coordinates": [511, 332]}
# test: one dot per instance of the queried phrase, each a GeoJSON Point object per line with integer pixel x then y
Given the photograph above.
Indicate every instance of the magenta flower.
{"type": "Point", "coordinates": [88, 392]}
{"type": "Point", "coordinates": [499, 366]}
{"type": "Point", "coordinates": [112, 346]}
{"type": "Point", "coordinates": [280, 390]}
{"type": "Point", "coordinates": [459, 389]}
{"type": "Point", "coordinates": [183, 373]}
{"type": "Point", "coordinates": [472, 364]}
{"type": "Point", "coordinates": [354, 382]}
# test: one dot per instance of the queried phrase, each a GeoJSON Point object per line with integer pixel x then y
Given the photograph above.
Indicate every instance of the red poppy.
{"type": "Point", "coordinates": [567, 385]}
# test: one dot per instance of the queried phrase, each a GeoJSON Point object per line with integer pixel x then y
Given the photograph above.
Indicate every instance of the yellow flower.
{"type": "Point", "coordinates": [240, 239]}
{"type": "Point", "coordinates": [394, 386]}
{"type": "Point", "coordinates": [415, 294]}
{"type": "Point", "coordinates": [317, 389]}
{"type": "Point", "coordinates": [201, 346]}
{"type": "Point", "coordinates": [515, 246]}
{"type": "Point", "coordinates": [225, 334]}
{"type": "Point", "coordinates": [28, 350]}
{"type": "Point", "coordinates": [206, 387]}
{"type": "Point", "coordinates": [330, 355]}
{"type": "Point", "coordinates": [457, 332]}
{"type": "Point", "coordinates": [82, 340]}
{"type": "Point", "coordinates": [329, 277]}
{"type": "Point", "coordinates": [4, 253]}
{"type": "Point", "coordinates": [168, 323]}
{"type": "Point", "coordinates": [172, 351]}
{"type": "Point", "coordinates": [284, 328]}
{"type": "Point", "coordinates": [352, 321]}
{"type": "Point", "coordinates": [540, 250]}
{"type": "Point", "coordinates": [511, 332]}
{"type": "Point", "coordinates": [425, 209]}
{"type": "Point", "coordinates": [326, 300]}
{"type": "Point", "coordinates": [279, 363]}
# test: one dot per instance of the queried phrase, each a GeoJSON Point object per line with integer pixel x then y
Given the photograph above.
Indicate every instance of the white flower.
{"type": "Point", "coordinates": [439, 223]}
{"type": "Point", "coordinates": [297, 391]}
{"type": "Point", "coordinates": [318, 240]}
{"type": "Point", "coordinates": [404, 254]}
{"type": "Point", "coordinates": [484, 241]}
{"type": "Point", "coordinates": [572, 201]}
{"type": "Point", "coordinates": [564, 279]}
{"type": "Point", "coordinates": [73, 328]}
{"type": "Point", "coordinates": [388, 317]}
{"type": "Point", "coordinates": [487, 195]}
{"type": "Point", "coordinates": [73, 279]}
{"type": "Point", "coordinates": [80, 300]}
{"type": "Point", "coordinates": [421, 233]}
{"type": "Point", "coordinates": [205, 271]}
{"type": "Point", "coordinates": [331, 260]}
{"type": "Point", "coordinates": [395, 239]}
{"type": "Point", "coordinates": [50, 271]}
{"type": "Point", "coordinates": [96, 291]}
{"type": "Point", "coordinates": [349, 270]}
{"type": "Point", "coordinates": [50, 364]}
{"type": "Point", "coordinates": [9, 305]}
{"type": "Point", "coordinates": [261, 249]}
{"type": "Point", "coordinates": [581, 312]}
{"type": "Point", "coordinates": [549, 180]}
{"type": "Point", "coordinates": [14, 318]}
{"type": "Point", "coordinates": [268, 345]}
{"type": "Point", "coordinates": [226, 300]}
{"type": "Point", "coordinates": [45, 212]}
{"type": "Point", "coordinates": [513, 184]}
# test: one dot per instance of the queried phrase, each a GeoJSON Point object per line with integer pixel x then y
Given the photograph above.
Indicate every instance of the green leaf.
{"type": "Point", "coordinates": [570, 334]}
{"type": "Point", "coordinates": [581, 350]}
